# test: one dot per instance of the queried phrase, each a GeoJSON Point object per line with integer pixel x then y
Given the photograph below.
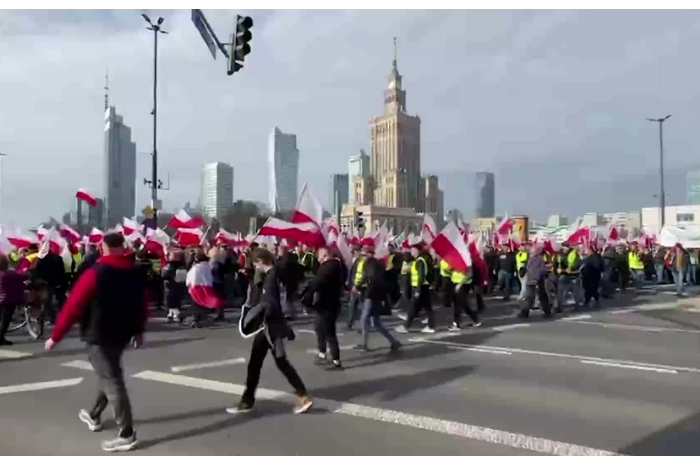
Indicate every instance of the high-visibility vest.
{"type": "Point", "coordinates": [414, 272]}
{"type": "Point", "coordinates": [359, 272]}
{"type": "Point", "coordinates": [390, 262]}
{"type": "Point", "coordinates": [521, 259]}
{"type": "Point", "coordinates": [14, 258]}
{"type": "Point", "coordinates": [571, 259]}
{"type": "Point", "coordinates": [31, 257]}
{"type": "Point", "coordinates": [459, 278]}
{"type": "Point", "coordinates": [445, 269]}
{"type": "Point", "coordinates": [634, 261]}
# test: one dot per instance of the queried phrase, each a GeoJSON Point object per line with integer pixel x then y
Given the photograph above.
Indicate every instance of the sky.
{"type": "Point", "coordinates": [553, 102]}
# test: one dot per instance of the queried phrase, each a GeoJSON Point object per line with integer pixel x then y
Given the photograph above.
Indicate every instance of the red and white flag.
{"type": "Point", "coordinates": [305, 233]}
{"type": "Point", "coordinates": [84, 195]}
{"type": "Point", "coordinates": [134, 237]}
{"type": "Point", "coordinates": [463, 228]}
{"type": "Point", "coordinates": [224, 237]}
{"type": "Point", "coordinates": [504, 226]}
{"type": "Point", "coordinates": [69, 234]}
{"type": "Point", "coordinates": [183, 220]}
{"type": "Point", "coordinates": [51, 241]}
{"type": "Point", "coordinates": [200, 286]}
{"type": "Point", "coordinates": [612, 235]}
{"type": "Point", "coordinates": [95, 236]}
{"type": "Point", "coordinates": [429, 230]}
{"type": "Point", "coordinates": [186, 236]}
{"type": "Point", "coordinates": [450, 246]}
{"type": "Point", "coordinates": [157, 240]}
{"type": "Point", "coordinates": [129, 226]}
{"type": "Point", "coordinates": [308, 208]}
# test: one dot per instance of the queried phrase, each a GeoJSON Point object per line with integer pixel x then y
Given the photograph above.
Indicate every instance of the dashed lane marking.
{"type": "Point", "coordinates": [639, 327]}
{"type": "Point", "coordinates": [459, 429]}
{"type": "Point", "coordinates": [629, 367]}
{"type": "Point", "coordinates": [6, 354]}
{"type": "Point", "coordinates": [486, 351]}
{"type": "Point", "coordinates": [303, 330]}
{"type": "Point", "coordinates": [510, 327]}
{"type": "Point", "coordinates": [575, 318]}
{"type": "Point", "coordinates": [30, 387]}
{"type": "Point", "coordinates": [79, 364]}
{"type": "Point", "coordinates": [218, 363]}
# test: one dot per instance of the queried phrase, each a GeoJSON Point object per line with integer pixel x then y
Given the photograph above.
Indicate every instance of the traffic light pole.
{"type": "Point", "coordinates": [154, 178]}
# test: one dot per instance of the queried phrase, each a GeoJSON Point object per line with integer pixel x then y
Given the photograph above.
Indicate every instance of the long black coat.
{"type": "Point", "coordinates": [327, 285]}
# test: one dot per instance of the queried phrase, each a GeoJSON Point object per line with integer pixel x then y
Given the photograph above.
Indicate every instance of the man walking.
{"type": "Point", "coordinates": [109, 303]}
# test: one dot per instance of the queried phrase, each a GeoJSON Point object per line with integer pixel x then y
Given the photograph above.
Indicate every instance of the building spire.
{"type": "Point", "coordinates": [106, 88]}
{"type": "Point", "coordinates": [394, 62]}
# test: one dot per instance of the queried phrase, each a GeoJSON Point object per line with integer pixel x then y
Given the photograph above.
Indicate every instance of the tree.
{"type": "Point", "coordinates": [237, 218]}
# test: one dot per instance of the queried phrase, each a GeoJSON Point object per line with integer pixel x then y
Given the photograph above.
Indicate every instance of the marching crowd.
{"type": "Point", "coordinates": [113, 285]}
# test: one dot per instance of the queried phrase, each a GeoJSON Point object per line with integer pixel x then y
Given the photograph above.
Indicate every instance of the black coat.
{"type": "Point", "coordinates": [275, 324]}
{"type": "Point", "coordinates": [374, 277]}
{"type": "Point", "coordinates": [326, 287]}
{"type": "Point", "coordinates": [174, 291]}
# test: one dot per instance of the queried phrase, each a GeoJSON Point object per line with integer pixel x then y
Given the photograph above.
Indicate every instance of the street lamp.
{"type": "Point", "coordinates": [154, 179]}
{"type": "Point", "coordinates": [662, 192]}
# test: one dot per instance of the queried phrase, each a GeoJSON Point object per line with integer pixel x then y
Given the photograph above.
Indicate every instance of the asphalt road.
{"type": "Point", "coordinates": [621, 380]}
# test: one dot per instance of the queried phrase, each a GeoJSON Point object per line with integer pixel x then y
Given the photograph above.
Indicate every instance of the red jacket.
{"type": "Point", "coordinates": [82, 294]}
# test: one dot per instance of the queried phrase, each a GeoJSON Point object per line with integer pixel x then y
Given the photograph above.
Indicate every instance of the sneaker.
{"type": "Point", "coordinates": [120, 443]}
{"type": "Point", "coordinates": [428, 330]}
{"type": "Point", "coordinates": [360, 347]}
{"type": "Point", "coordinates": [304, 405]}
{"type": "Point", "coordinates": [320, 360]}
{"type": "Point", "coordinates": [475, 325]}
{"type": "Point", "coordinates": [241, 407]}
{"type": "Point", "coordinates": [401, 329]}
{"type": "Point", "coordinates": [424, 321]}
{"type": "Point", "coordinates": [454, 328]}
{"type": "Point", "coordinates": [93, 424]}
{"type": "Point", "coordinates": [402, 316]}
{"type": "Point", "coordinates": [337, 365]}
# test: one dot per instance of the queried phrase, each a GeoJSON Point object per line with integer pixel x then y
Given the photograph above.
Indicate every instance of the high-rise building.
{"type": "Point", "coordinates": [395, 149]}
{"type": "Point", "coordinates": [340, 192]}
{"type": "Point", "coordinates": [283, 161]}
{"type": "Point", "coordinates": [119, 169]}
{"type": "Point", "coordinates": [692, 188]}
{"type": "Point", "coordinates": [358, 165]}
{"type": "Point", "coordinates": [485, 195]}
{"type": "Point", "coordinates": [217, 190]}
{"type": "Point", "coordinates": [432, 195]}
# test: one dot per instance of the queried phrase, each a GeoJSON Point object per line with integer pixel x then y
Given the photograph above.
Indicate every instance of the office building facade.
{"type": "Point", "coordinates": [119, 169]}
{"type": "Point", "coordinates": [340, 192]}
{"type": "Point", "coordinates": [283, 164]}
{"type": "Point", "coordinates": [485, 184]}
{"type": "Point", "coordinates": [358, 166]}
{"type": "Point", "coordinates": [217, 190]}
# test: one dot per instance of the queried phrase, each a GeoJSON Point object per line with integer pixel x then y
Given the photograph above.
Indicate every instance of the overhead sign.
{"type": "Point", "coordinates": [201, 24]}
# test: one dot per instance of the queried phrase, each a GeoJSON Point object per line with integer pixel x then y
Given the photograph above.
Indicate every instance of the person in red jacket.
{"type": "Point", "coordinates": [109, 303]}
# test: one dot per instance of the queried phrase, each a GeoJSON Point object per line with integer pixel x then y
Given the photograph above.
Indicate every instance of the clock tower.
{"type": "Point", "coordinates": [395, 96]}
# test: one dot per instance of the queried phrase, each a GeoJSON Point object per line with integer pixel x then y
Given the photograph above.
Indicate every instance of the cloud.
{"type": "Point", "coordinates": [500, 90]}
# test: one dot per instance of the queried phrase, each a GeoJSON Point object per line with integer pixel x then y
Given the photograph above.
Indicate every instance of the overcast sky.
{"type": "Point", "coordinates": [554, 102]}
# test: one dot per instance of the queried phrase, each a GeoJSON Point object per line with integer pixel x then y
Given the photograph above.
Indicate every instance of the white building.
{"type": "Point", "coordinates": [119, 169]}
{"type": "Point", "coordinates": [358, 165]}
{"type": "Point", "coordinates": [557, 220]}
{"type": "Point", "coordinates": [283, 163]}
{"type": "Point", "coordinates": [681, 216]}
{"type": "Point", "coordinates": [217, 190]}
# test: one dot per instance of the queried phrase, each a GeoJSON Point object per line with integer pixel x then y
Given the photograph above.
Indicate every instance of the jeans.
{"type": "Point", "coordinates": [523, 283]}
{"type": "Point", "coordinates": [325, 332]}
{"type": "Point", "coordinates": [533, 292]}
{"type": "Point", "coordinates": [421, 300]}
{"type": "Point", "coordinates": [106, 360]}
{"type": "Point", "coordinates": [370, 312]}
{"type": "Point", "coordinates": [637, 277]}
{"type": "Point", "coordinates": [507, 281]}
{"type": "Point", "coordinates": [353, 306]}
{"type": "Point", "coordinates": [659, 272]}
{"type": "Point", "coordinates": [678, 277]}
{"type": "Point", "coordinates": [690, 275]}
{"type": "Point", "coordinates": [569, 284]}
{"type": "Point", "coordinates": [259, 351]}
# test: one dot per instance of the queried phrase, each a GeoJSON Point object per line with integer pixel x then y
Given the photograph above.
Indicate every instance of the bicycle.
{"type": "Point", "coordinates": [31, 313]}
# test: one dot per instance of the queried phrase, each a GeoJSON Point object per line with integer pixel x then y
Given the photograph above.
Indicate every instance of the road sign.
{"type": "Point", "coordinates": [200, 23]}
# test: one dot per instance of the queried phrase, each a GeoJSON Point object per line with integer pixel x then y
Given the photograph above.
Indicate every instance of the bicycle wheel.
{"type": "Point", "coordinates": [34, 319]}
{"type": "Point", "coordinates": [18, 321]}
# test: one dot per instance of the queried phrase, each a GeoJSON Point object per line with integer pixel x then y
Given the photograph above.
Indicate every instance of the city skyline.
{"type": "Point", "coordinates": [119, 185]}
{"type": "Point", "coordinates": [491, 106]}
{"type": "Point", "coordinates": [283, 170]}
{"type": "Point", "coordinates": [216, 197]}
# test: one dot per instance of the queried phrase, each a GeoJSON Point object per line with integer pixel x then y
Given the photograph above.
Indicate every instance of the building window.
{"type": "Point", "coordinates": [685, 218]}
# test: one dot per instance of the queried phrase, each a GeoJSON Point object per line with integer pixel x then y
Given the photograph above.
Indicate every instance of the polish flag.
{"type": "Point", "coordinates": [51, 241]}
{"type": "Point", "coordinates": [186, 236]}
{"type": "Point", "coordinates": [406, 243]}
{"type": "Point", "coordinates": [183, 220]}
{"type": "Point", "coordinates": [95, 236]}
{"type": "Point", "coordinates": [157, 240]}
{"type": "Point", "coordinates": [450, 246]}
{"type": "Point", "coordinates": [308, 233]}
{"type": "Point", "coordinates": [504, 226]}
{"type": "Point", "coordinates": [200, 286]}
{"type": "Point", "coordinates": [69, 234]}
{"type": "Point", "coordinates": [129, 226]}
{"type": "Point", "coordinates": [135, 236]}
{"type": "Point", "coordinates": [224, 237]}
{"type": "Point", "coordinates": [84, 195]}
{"type": "Point", "coordinates": [308, 208]}
{"type": "Point", "coordinates": [5, 245]}
{"type": "Point", "coordinates": [463, 228]}
{"type": "Point", "coordinates": [429, 229]}
{"type": "Point", "coordinates": [345, 252]}
{"type": "Point", "coordinates": [613, 236]}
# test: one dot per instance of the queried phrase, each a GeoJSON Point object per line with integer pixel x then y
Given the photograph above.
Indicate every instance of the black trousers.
{"type": "Point", "coordinates": [58, 292]}
{"type": "Point", "coordinates": [421, 301]}
{"type": "Point", "coordinates": [590, 288]}
{"type": "Point", "coordinates": [462, 304]}
{"type": "Point", "coordinates": [259, 351]}
{"type": "Point", "coordinates": [448, 292]}
{"type": "Point", "coordinates": [106, 360]}
{"type": "Point", "coordinates": [324, 324]}
{"type": "Point", "coordinates": [6, 313]}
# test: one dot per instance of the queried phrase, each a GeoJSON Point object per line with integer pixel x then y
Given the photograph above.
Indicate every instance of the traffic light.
{"type": "Point", "coordinates": [359, 221]}
{"type": "Point", "coordinates": [239, 46]}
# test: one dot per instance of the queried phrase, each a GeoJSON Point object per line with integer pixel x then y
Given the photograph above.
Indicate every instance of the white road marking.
{"type": "Point", "coordinates": [539, 445]}
{"type": "Point", "coordinates": [8, 354]}
{"type": "Point", "coordinates": [575, 318]}
{"type": "Point", "coordinates": [510, 327]}
{"type": "Point", "coordinates": [40, 386]}
{"type": "Point", "coordinates": [630, 367]}
{"type": "Point", "coordinates": [346, 347]}
{"type": "Point", "coordinates": [487, 351]}
{"type": "Point", "coordinates": [555, 354]}
{"type": "Point", "coordinates": [639, 327]}
{"type": "Point", "coordinates": [79, 364]}
{"type": "Point", "coordinates": [646, 307]}
{"type": "Point", "coordinates": [219, 363]}
{"type": "Point", "coordinates": [303, 330]}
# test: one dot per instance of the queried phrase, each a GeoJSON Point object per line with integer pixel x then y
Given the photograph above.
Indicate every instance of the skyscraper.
{"type": "Point", "coordinates": [692, 187]}
{"type": "Point", "coordinates": [119, 169]}
{"type": "Point", "coordinates": [283, 162]}
{"type": "Point", "coordinates": [217, 189]}
{"type": "Point", "coordinates": [340, 192]}
{"type": "Point", "coordinates": [395, 149]}
{"type": "Point", "coordinates": [358, 165]}
{"type": "Point", "coordinates": [485, 195]}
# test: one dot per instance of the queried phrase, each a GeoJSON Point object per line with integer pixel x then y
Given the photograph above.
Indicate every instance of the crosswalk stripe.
{"type": "Point", "coordinates": [30, 387]}
{"type": "Point", "coordinates": [79, 364]}
{"type": "Point", "coordinates": [220, 363]}
{"type": "Point", "coordinates": [8, 354]}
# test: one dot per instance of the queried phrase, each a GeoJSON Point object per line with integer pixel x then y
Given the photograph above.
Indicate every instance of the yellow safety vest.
{"type": "Point", "coordinates": [31, 257]}
{"type": "Point", "coordinates": [459, 278]}
{"type": "Point", "coordinates": [414, 272]}
{"type": "Point", "coordinates": [78, 259]}
{"type": "Point", "coordinates": [359, 272]}
{"type": "Point", "coordinates": [445, 269]}
{"type": "Point", "coordinates": [390, 262]}
{"type": "Point", "coordinates": [634, 261]}
{"type": "Point", "coordinates": [571, 259]}
{"type": "Point", "coordinates": [521, 259]}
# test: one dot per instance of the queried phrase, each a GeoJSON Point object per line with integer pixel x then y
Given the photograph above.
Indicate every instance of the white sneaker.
{"type": "Point", "coordinates": [428, 330]}
{"type": "Point", "coordinates": [401, 329]}
{"type": "Point", "coordinates": [93, 424]}
{"type": "Point", "coordinates": [424, 321]}
{"type": "Point", "coordinates": [402, 316]}
{"type": "Point", "coordinates": [454, 328]}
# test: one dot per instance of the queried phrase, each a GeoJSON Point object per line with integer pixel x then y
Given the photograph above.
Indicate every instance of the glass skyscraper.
{"type": "Point", "coordinates": [283, 164]}
{"type": "Point", "coordinates": [119, 169]}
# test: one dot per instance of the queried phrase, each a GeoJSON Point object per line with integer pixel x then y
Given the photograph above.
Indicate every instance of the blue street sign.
{"type": "Point", "coordinates": [200, 23]}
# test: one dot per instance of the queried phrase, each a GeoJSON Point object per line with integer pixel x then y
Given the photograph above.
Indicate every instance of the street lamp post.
{"type": "Point", "coordinates": [154, 178]}
{"type": "Point", "coordinates": [662, 192]}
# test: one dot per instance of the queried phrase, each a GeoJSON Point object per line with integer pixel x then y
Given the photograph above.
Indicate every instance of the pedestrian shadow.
{"type": "Point", "coordinates": [407, 352]}
{"type": "Point", "coordinates": [394, 387]}
{"type": "Point", "coordinates": [677, 439]}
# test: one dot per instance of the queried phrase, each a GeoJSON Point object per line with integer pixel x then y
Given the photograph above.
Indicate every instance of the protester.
{"type": "Point", "coordinates": [11, 296]}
